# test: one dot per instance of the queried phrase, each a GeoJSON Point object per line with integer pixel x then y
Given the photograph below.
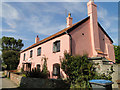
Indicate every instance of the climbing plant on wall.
{"type": "Point", "coordinates": [44, 67]}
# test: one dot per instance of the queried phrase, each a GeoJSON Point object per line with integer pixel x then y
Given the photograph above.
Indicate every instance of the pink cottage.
{"type": "Point", "coordinates": [85, 36]}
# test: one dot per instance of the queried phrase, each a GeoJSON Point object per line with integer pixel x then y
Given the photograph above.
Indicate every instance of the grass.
{"type": "Point", "coordinates": [3, 74]}
{"type": "Point", "coordinates": [8, 78]}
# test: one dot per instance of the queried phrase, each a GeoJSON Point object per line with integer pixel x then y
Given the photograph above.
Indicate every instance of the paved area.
{"type": "Point", "coordinates": [6, 83]}
{"type": "Point", "coordinates": [0, 80]}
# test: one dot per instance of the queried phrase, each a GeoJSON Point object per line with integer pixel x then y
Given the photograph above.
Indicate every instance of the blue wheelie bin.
{"type": "Point", "coordinates": [101, 84]}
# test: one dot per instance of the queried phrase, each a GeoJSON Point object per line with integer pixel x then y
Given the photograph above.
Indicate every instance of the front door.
{"type": "Point", "coordinates": [28, 67]}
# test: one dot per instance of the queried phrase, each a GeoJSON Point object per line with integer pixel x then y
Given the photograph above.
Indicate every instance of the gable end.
{"type": "Point", "coordinates": [105, 32]}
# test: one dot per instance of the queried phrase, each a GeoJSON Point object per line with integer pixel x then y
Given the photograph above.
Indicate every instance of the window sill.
{"type": "Point", "coordinates": [56, 51]}
{"type": "Point", "coordinates": [55, 74]}
{"type": "Point", "coordinates": [39, 55]}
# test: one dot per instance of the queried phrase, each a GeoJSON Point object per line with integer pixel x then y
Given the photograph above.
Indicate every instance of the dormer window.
{"type": "Point", "coordinates": [31, 52]}
{"type": "Point", "coordinates": [56, 46]}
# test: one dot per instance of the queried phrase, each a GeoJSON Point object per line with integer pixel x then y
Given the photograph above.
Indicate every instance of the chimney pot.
{"type": "Point", "coordinates": [69, 20]}
{"type": "Point", "coordinates": [37, 39]}
{"type": "Point", "coordinates": [69, 14]}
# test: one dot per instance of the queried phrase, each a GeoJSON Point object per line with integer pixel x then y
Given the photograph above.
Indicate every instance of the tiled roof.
{"type": "Point", "coordinates": [57, 34]}
{"type": "Point", "coordinates": [63, 32]}
{"type": "Point", "coordinates": [99, 51]}
{"type": "Point", "coordinates": [108, 59]}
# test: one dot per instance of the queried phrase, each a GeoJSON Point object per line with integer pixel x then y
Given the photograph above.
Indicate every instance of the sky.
{"type": "Point", "coordinates": [26, 20]}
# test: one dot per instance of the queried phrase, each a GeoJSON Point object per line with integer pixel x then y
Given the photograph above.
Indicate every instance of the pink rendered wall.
{"type": "Point", "coordinates": [111, 53]}
{"type": "Point", "coordinates": [103, 40]}
{"type": "Point", "coordinates": [81, 44]}
{"type": "Point", "coordinates": [106, 45]}
{"type": "Point", "coordinates": [92, 12]}
{"type": "Point", "coordinates": [47, 50]}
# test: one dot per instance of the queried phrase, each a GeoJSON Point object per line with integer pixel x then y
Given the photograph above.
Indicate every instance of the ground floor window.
{"type": "Point", "coordinates": [56, 69]}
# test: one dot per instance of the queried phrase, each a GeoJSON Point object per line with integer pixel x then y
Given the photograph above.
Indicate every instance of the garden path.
{"type": "Point", "coordinates": [6, 83]}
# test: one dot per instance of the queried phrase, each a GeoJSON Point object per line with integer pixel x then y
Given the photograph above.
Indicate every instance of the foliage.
{"type": "Point", "coordinates": [11, 51]}
{"type": "Point", "coordinates": [34, 73]}
{"type": "Point", "coordinates": [44, 69]}
{"type": "Point", "coordinates": [22, 69]}
{"type": "Point", "coordinates": [10, 43]}
{"type": "Point", "coordinates": [37, 73]}
{"type": "Point", "coordinates": [117, 53]}
{"type": "Point", "coordinates": [80, 70]}
{"type": "Point", "coordinates": [11, 59]}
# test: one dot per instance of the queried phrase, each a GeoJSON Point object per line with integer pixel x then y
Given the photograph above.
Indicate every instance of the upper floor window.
{"type": "Point", "coordinates": [56, 46]}
{"type": "Point", "coordinates": [24, 57]}
{"type": "Point", "coordinates": [31, 53]}
{"type": "Point", "coordinates": [39, 51]}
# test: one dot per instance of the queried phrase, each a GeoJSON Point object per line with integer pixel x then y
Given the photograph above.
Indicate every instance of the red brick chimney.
{"type": "Point", "coordinates": [37, 39]}
{"type": "Point", "coordinates": [69, 20]}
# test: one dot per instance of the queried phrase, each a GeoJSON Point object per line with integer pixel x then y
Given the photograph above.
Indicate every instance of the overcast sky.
{"type": "Point", "coordinates": [26, 20]}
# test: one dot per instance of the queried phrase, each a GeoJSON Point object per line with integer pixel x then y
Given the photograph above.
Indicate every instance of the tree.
{"type": "Point", "coordinates": [11, 59]}
{"type": "Point", "coordinates": [80, 70]}
{"type": "Point", "coordinates": [9, 43]}
{"type": "Point", "coordinates": [117, 53]}
{"type": "Point", "coordinates": [11, 51]}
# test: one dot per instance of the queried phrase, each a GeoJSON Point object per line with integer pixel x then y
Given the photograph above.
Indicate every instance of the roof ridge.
{"type": "Point", "coordinates": [54, 35]}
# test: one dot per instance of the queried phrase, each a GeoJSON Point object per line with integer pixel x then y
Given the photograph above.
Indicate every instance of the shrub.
{"type": "Point", "coordinates": [80, 70]}
{"type": "Point", "coordinates": [36, 73]}
{"type": "Point", "coordinates": [22, 69]}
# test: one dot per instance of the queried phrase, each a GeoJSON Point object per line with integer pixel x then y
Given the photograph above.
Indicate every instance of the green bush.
{"type": "Point", "coordinates": [117, 53]}
{"type": "Point", "coordinates": [80, 70]}
{"type": "Point", "coordinates": [36, 73]}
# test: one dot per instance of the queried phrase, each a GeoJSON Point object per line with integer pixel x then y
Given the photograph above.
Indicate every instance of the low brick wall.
{"type": "Point", "coordinates": [15, 78]}
{"type": "Point", "coordinates": [25, 82]}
